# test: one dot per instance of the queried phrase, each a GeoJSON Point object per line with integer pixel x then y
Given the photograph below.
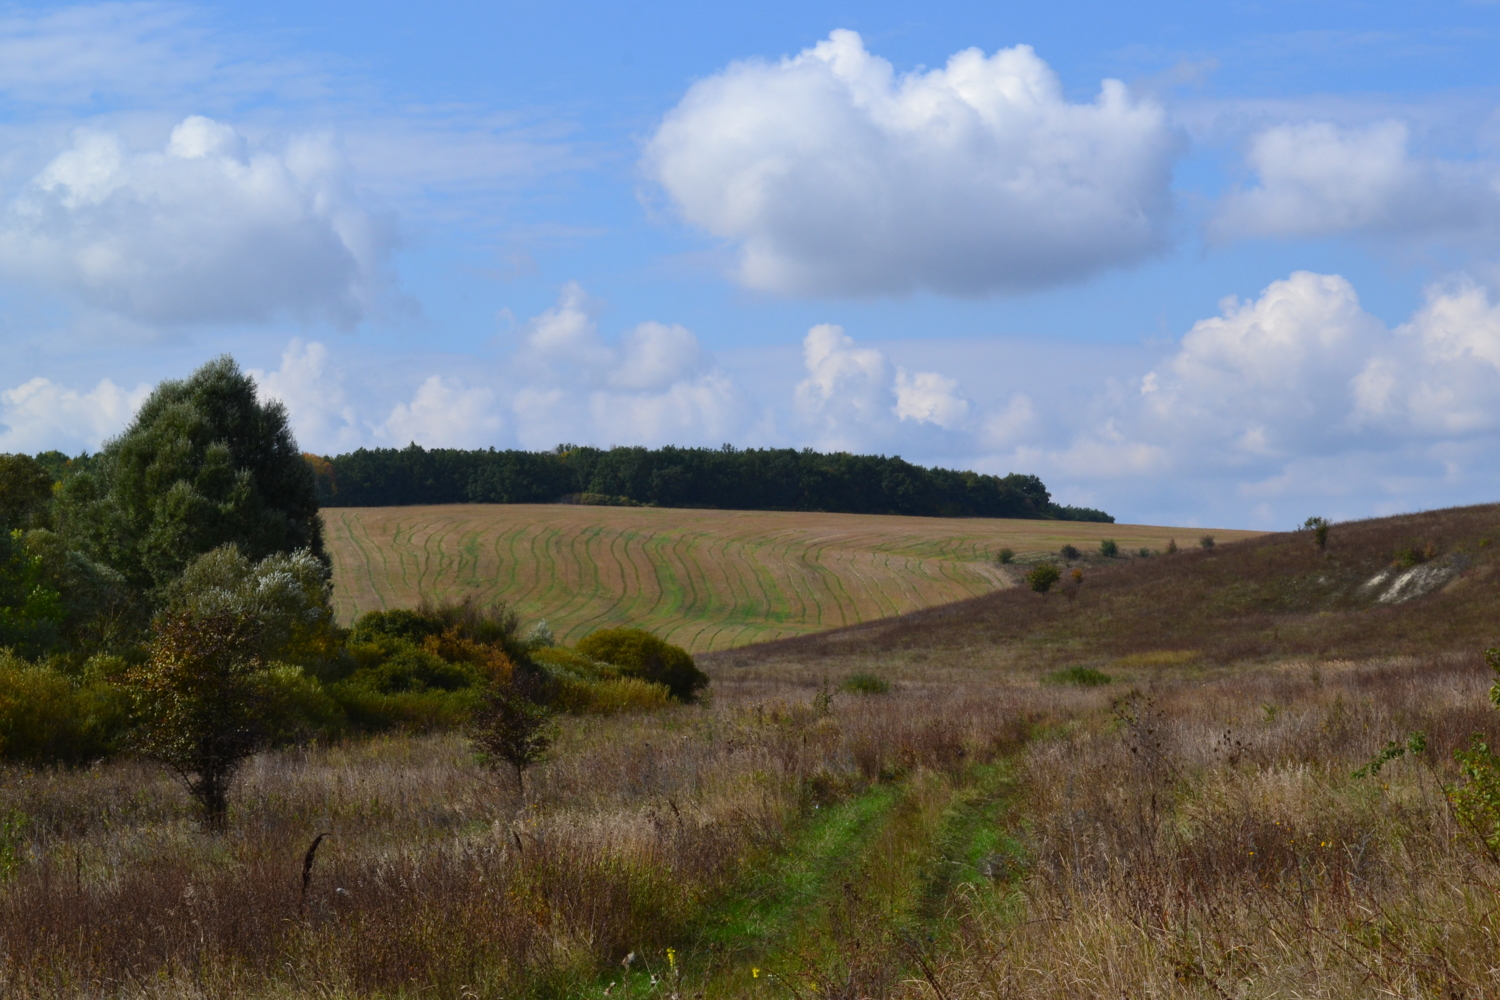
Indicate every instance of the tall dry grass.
{"type": "Point", "coordinates": [1210, 840]}
{"type": "Point", "coordinates": [437, 877]}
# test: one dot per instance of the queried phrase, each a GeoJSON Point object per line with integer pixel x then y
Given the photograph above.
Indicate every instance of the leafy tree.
{"type": "Point", "coordinates": [201, 701]}
{"type": "Point", "coordinates": [211, 693]}
{"type": "Point", "coordinates": [25, 492]}
{"type": "Point", "coordinates": [638, 653]}
{"type": "Point", "coordinates": [98, 611]}
{"type": "Point", "coordinates": [511, 728]}
{"type": "Point", "coordinates": [203, 463]}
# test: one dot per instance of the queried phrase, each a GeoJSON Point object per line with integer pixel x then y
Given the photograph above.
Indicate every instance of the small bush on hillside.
{"type": "Point", "coordinates": [1109, 549]}
{"type": "Point", "coordinates": [1414, 555]}
{"type": "Point", "coordinates": [1319, 527]}
{"type": "Point", "coordinates": [863, 683]}
{"type": "Point", "coordinates": [638, 653]}
{"type": "Point", "coordinates": [1171, 545]}
{"type": "Point", "coordinates": [1079, 677]}
{"type": "Point", "coordinates": [1005, 556]}
{"type": "Point", "coordinates": [1206, 542]}
{"type": "Point", "coordinates": [1069, 552]}
{"type": "Point", "coordinates": [1143, 552]}
{"type": "Point", "coordinates": [1042, 577]}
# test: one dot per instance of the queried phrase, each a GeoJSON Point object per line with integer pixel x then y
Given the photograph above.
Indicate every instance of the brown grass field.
{"type": "Point", "coordinates": [1189, 826]}
{"type": "Point", "coordinates": [704, 579]}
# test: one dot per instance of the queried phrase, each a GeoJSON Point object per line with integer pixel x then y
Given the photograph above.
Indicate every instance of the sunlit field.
{"type": "Point", "coordinates": [703, 579]}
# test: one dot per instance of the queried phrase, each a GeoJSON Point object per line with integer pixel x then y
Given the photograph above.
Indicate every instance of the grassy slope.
{"type": "Point", "coordinates": [705, 579]}
{"type": "Point", "coordinates": [1264, 598]}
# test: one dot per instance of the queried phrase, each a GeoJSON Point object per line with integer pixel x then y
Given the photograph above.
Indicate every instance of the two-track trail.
{"type": "Point", "coordinates": [887, 868]}
{"type": "Point", "coordinates": [704, 579]}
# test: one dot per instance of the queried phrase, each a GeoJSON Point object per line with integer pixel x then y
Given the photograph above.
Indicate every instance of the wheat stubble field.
{"type": "Point", "coordinates": [704, 579]}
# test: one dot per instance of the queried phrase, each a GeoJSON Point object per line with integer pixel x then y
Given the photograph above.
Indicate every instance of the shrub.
{"type": "Point", "coordinates": [1414, 555]}
{"type": "Point", "coordinates": [48, 718]}
{"type": "Point", "coordinates": [1068, 552]}
{"type": "Point", "coordinates": [1319, 527]}
{"type": "Point", "coordinates": [1005, 556]}
{"type": "Point", "coordinates": [1207, 542]}
{"type": "Point", "coordinates": [1143, 552]}
{"type": "Point", "coordinates": [1042, 577]}
{"type": "Point", "coordinates": [864, 683]}
{"type": "Point", "coordinates": [1171, 545]}
{"type": "Point", "coordinates": [1109, 549]}
{"type": "Point", "coordinates": [1079, 676]}
{"type": "Point", "coordinates": [638, 653]}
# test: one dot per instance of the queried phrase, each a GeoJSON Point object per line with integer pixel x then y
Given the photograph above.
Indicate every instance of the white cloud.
{"type": "Point", "coordinates": [930, 398]}
{"type": "Point", "coordinates": [654, 387]}
{"type": "Point", "coordinates": [444, 413]}
{"type": "Point", "coordinates": [1320, 178]}
{"type": "Point", "coordinates": [317, 405]}
{"type": "Point", "coordinates": [838, 176]}
{"type": "Point", "coordinates": [209, 229]}
{"type": "Point", "coordinates": [40, 415]}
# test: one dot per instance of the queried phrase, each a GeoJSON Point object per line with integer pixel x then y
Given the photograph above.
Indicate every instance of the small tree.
{"type": "Point", "coordinates": [1069, 552]}
{"type": "Point", "coordinates": [200, 702]}
{"type": "Point", "coordinates": [1319, 527]}
{"type": "Point", "coordinates": [1042, 577]}
{"type": "Point", "coordinates": [1109, 548]}
{"type": "Point", "coordinates": [1207, 541]}
{"type": "Point", "coordinates": [209, 695]}
{"type": "Point", "coordinates": [512, 729]}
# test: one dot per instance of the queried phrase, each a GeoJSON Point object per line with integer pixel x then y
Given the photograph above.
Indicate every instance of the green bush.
{"type": "Point", "coordinates": [1042, 577]}
{"type": "Point", "coordinates": [1079, 677]}
{"type": "Point", "coordinates": [374, 711]}
{"type": "Point", "coordinates": [398, 665]}
{"type": "Point", "coordinates": [1005, 556]}
{"type": "Point", "coordinates": [48, 718]}
{"type": "Point", "coordinates": [1069, 552]}
{"type": "Point", "coordinates": [1206, 542]}
{"type": "Point", "coordinates": [863, 683]}
{"type": "Point", "coordinates": [638, 653]}
{"type": "Point", "coordinates": [1109, 549]}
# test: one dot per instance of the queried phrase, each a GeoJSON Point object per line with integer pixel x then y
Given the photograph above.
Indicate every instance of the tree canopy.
{"type": "Point", "coordinates": [203, 464]}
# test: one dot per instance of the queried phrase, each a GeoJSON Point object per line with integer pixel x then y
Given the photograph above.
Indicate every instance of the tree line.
{"type": "Point", "coordinates": [727, 478]}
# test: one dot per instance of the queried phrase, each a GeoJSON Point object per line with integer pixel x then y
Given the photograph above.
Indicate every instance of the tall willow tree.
{"type": "Point", "coordinates": [203, 464]}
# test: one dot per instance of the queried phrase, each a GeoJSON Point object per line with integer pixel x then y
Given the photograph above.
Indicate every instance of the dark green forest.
{"type": "Point", "coordinates": [726, 478]}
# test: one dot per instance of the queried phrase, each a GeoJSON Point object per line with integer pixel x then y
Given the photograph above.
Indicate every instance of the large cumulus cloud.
{"type": "Point", "coordinates": [836, 175]}
{"type": "Point", "coordinates": [209, 229]}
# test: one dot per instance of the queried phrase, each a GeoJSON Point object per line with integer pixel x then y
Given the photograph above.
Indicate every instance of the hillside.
{"type": "Point", "coordinates": [705, 579]}
{"type": "Point", "coordinates": [1408, 585]}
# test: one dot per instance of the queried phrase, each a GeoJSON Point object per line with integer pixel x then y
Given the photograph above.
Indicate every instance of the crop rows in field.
{"type": "Point", "coordinates": [705, 579]}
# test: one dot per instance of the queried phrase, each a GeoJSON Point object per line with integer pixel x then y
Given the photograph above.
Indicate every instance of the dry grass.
{"type": "Point", "coordinates": [703, 579]}
{"type": "Point", "coordinates": [1214, 843]}
{"type": "Point", "coordinates": [436, 876]}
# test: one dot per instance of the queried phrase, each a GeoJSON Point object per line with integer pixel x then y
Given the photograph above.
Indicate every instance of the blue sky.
{"type": "Point", "coordinates": [1227, 264]}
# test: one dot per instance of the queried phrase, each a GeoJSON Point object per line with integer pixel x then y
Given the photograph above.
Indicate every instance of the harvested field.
{"type": "Point", "coordinates": [704, 579]}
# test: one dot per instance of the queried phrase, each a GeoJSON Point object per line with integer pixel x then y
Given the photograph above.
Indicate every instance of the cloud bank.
{"type": "Point", "coordinates": [836, 176]}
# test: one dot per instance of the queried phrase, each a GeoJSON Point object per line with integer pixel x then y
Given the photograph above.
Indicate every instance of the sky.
{"type": "Point", "coordinates": [1231, 264]}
